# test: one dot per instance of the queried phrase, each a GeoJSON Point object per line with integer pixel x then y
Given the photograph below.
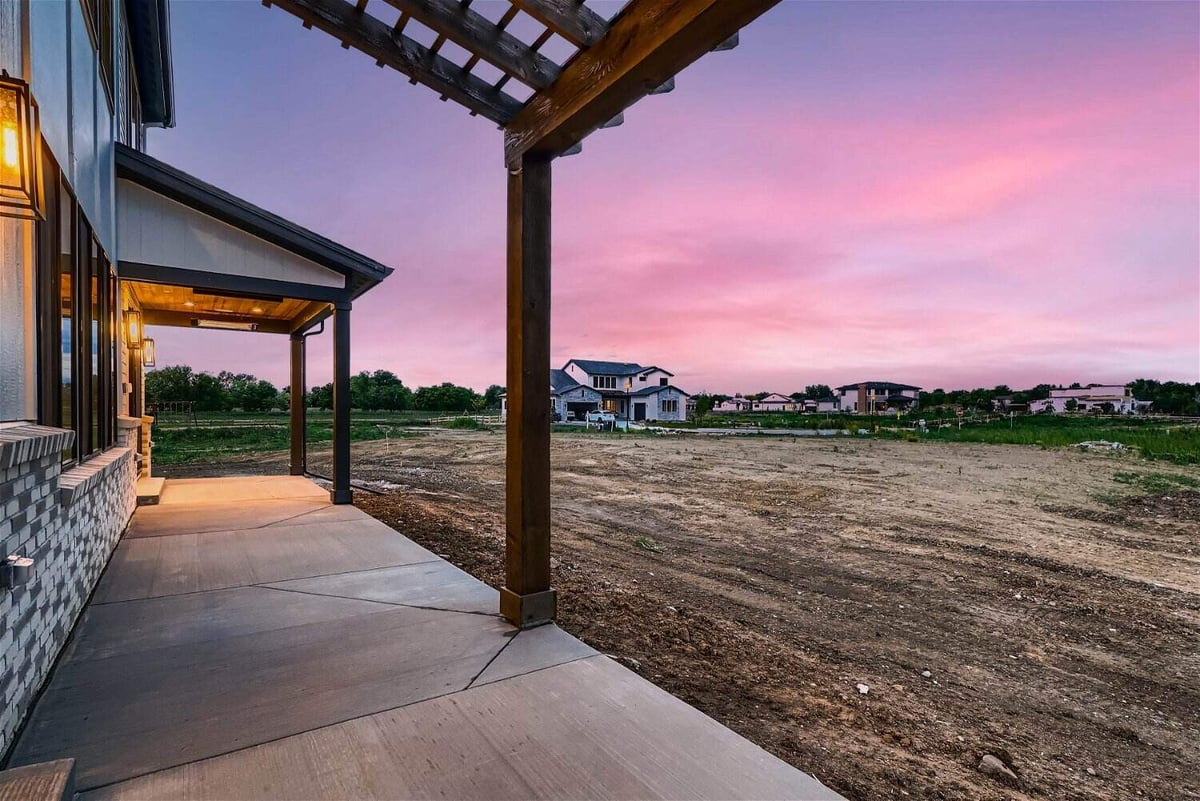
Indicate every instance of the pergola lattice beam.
{"type": "Point", "coordinates": [570, 19]}
{"type": "Point", "coordinates": [481, 37]}
{"type": "Point", "coordinates": [646, 45]}
{"type": "Point", "coordinates": [363, 32]}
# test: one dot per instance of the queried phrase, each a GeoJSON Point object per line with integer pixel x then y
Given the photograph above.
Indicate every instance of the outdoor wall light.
{"type": "Point", "coordinates": [20, 187]}
{"type": "Point", "coordinates": [147, 352]}
{"type": "Point", "coordinates": [133, 329]}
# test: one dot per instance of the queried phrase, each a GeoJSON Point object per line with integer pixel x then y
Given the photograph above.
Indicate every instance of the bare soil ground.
{"type": "Point", "coordinates": [997, 600]}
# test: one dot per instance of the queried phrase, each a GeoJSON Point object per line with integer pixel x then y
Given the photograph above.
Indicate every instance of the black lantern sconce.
{"type": "Point", "coordinates": [20, 184]}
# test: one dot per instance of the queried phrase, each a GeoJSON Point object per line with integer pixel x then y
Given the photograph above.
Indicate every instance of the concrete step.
{"type": "Point", "coordinates": [43, 781]}
{"type": "Point", "coordinates": [149, 490]}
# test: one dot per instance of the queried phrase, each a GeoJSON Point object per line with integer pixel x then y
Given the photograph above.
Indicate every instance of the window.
{"type": "Point", "coordinates": [604, 381]}
{"type": "Point", "coordinates": [76, 323]}
{"type": "Point", "coordinates": [662, 382]}
{"type": "Point", "coordinates": [668, 406]}
{"type": "Point", "coordinates": [99, 17]}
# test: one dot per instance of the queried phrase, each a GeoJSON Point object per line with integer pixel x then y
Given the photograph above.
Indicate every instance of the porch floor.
{"type": "Point", "coordinates": [251, 640]}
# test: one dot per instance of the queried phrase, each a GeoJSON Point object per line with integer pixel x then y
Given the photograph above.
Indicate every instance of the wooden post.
{"type": "Point", "coordinates": [341, 404]}
{"type": "Point", "coordinates": [526, 598]}
{"type": "Point", "coordinates": [296, 406]}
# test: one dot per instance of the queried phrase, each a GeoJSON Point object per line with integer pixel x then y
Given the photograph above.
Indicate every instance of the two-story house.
{"type": "Point", "coordinates": [870, 397]}
{"type": "Point", "coordinates": [629, 390]}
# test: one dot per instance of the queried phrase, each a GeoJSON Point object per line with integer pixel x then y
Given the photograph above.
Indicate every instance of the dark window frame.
{"type": "Point", "coordinates": [93, 392]}
{"type": "Point", "coordinates": [98, 14]}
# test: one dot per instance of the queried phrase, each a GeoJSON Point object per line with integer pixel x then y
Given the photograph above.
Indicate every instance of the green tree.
{"type": "Point", "coordinates": [446, 397]}
{"type": "Point", "coordinates": [817, 391]}
{"type": "Point", "coordinates": [491, 397]}
{"type": "Point", "coordinates": [172, 383]}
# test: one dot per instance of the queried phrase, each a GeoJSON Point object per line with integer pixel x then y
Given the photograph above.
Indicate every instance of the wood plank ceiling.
{"type": "Point", "coordinates": [504, 60]}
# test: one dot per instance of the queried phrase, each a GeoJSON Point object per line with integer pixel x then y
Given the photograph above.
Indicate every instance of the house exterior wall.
{"type": "Point", "coordinates": [576, 395]}
{"type": "Point", "coordinates": [68, 524]}
{"type": "Point", "coordinates": [654, 404]}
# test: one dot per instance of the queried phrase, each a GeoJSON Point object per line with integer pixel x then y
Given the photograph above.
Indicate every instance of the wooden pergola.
{"type": "Point", "coordinates": [615, 62]}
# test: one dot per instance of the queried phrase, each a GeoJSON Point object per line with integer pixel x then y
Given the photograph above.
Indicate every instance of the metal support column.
{"type": "Point", "coordinates": [296, 406]}
{"type": "Point", "coordinates": [341, 404]}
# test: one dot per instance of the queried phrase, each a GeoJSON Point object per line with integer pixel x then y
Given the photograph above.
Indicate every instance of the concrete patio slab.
{"type": "Point", "coordinates": [240, 488]}
{"type": "Point", "coordinates": [326, 656]}
{"type": "Point", "coordinates": [151, 709]}
{"type": "Point", "coordinates": [198, 518]}
{"type": "Point", "coordinates": [437, 584]}
{"type": "Point", "coordinates": [534, 649]}
{"type": "Point", "coordinates": [586, 729]}
{"type": "Point", "coordinates": [149, 566]}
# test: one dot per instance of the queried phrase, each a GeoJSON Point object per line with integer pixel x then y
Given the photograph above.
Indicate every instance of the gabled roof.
{"type": "Point", "coordinates": [654, 390]}
{"type": "Point", "coordinates": [361, 272]}
{"type": "Point", "coordinates": [594, 367]}
{"type": "Point", "coordinates": [561, 382]}
{"type": "Point", "coordinates": [775, 397]}
{"type": "Point", "coordinates": [879, 385]}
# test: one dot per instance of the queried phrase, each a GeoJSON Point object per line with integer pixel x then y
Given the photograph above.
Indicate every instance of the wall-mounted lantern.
{"type": "Point", "coordinates": [20, 185]}
{"type": "Point", "coordinates": [133, 329]}
{"type": "Point", "coordinates": [147, 352]}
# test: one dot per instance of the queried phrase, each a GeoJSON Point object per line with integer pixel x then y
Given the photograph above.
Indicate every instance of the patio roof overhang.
{"type": "Point", "coordinates": [195, 255]}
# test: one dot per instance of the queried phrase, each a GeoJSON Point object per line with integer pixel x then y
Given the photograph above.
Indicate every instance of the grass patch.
{"type": "Point", "coordinates": [199, 443]}
{"type": "Point", "coordinates": [1157, 483]}
{"type": "Point", "coordinates": [466, 423]}
{"type": "Point", "coordinates": [1154, 438]}
{"type": "Point", "coordinates": [648, 544]}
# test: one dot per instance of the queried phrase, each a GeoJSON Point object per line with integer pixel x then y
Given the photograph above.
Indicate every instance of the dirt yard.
{"type": "Point", "coordinates": [879, 614]}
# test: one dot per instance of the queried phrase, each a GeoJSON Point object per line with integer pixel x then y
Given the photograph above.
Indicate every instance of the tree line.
{"type": "Point", "coordinates": [381, 390]}
{"type": "Point", "coordinates": [1167, 397]}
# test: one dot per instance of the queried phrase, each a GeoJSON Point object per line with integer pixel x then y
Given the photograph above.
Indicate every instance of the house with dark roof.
{"type": "Point", "coordinates": [630, 391]}
{"type": "Point", "coordinates": [870, 397]}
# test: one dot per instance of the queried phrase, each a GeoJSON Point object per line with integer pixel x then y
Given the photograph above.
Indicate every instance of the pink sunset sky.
{"type": "Point", "coordinates": [948, 195]}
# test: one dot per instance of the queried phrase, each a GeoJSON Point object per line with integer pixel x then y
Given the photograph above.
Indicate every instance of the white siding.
{"type": "Point", "coordinates": [51, 74]}
{"type": "Point", "coordinates": [157, 230]}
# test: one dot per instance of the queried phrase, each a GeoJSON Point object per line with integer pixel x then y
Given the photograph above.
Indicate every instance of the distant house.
{"type": "Point", "coordinates": [735, 404]}
{"type": "Point", "coordinates": [1111, 398]}
{"type": "Point", "coordinates": [630, 390]}
{"type": "Point", "coordinates": [774, 402]}
{"type": "Point", "coordinates": [869, 397]}
{"type": "Point", "coordinates": [826, 405]}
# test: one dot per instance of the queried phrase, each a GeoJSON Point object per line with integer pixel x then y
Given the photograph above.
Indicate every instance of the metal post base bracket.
{"type": "Point", "coordinates": [341, 496]}
{"type": "Point", "coordinates": [528, 610]}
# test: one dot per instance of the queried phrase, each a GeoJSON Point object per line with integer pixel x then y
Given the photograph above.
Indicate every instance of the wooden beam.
{"type": "Point", "coordinates": [480, 36]}
{"type": "Point", "coordinates": [340, 20]}
{"type": "Point", "coordinates": [570, 19]}
{"type": "Point", "coordinates": [526, 597]}
{"type": "Point", "coordinates": [646, 45]}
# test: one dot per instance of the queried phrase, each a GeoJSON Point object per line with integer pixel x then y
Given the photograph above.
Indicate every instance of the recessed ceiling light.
{"type": "Point", "coordinates": [189, 303]}
{"type": "Point", "coordinates": [257, 310]}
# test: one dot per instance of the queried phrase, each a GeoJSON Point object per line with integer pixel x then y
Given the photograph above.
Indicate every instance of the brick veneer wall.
{"type": "Point", "coordinates": [68, 523]}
